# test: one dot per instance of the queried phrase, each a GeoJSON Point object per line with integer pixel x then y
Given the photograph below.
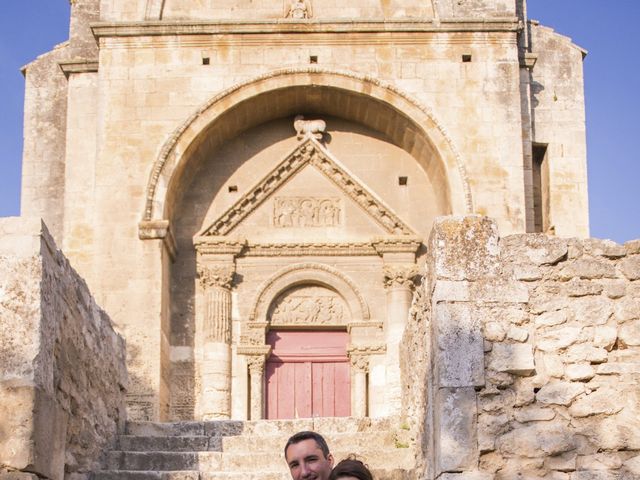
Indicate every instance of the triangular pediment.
{"type": "Point", "coordinates": [309, 162]}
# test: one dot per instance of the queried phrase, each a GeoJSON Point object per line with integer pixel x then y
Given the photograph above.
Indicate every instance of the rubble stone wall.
{"type": "Point", "coordinates": [62, 365]}
{"type": "Point", "coordinates": [536, 355]}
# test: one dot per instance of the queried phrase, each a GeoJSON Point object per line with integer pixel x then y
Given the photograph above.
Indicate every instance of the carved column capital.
{"type": "Point", "coordinates": [216, 275]}
{"type": "Point", "coordinates": [255, 363]}
{"type": "Point", "coordinates": [399, 275]}
{"type": "Point", "coordinates": [359, 363]}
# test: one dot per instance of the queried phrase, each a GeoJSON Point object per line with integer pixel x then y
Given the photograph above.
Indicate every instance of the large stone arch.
{"type": "Point", "coordinates": [409, 124]}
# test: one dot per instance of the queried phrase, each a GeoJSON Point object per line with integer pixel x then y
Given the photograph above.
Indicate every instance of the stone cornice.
{"type": "Point", "coordinates": [78, 66]}
{"type": "Point", "coordinates": [158, 230]}
{"type": "Point", "coordinates": [161, 28]}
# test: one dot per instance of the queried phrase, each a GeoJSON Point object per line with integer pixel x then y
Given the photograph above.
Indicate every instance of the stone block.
{"type": "Point", "coordinates": [512, 358]}
{"type": "Point", "coordinates": [580, 372]}
{"type": "Point", "coordinates": [459, 346]}
{"type": "Point", "coordinates": [605, 337]}
{"type": "Point", "coordinates": [592, 310]}
{"type": "Point", "coordinates": [629, 333]}
{"type": "Point", "coordinates": [534, 414]}
{"type": "Point", "coordinates": [597, 403]}
{"type": "Point", "coordinates": [585, 353]}
{"type": "Point", "coordinates": [587, 269]}
{"type": "Point", "coordinates": [632, 247]}
{"type": "Point", "coordinates": [603, 248]}
{"type": "Point", "coordinates": [538, 440]}
{"type": "Point", "coordinates": [559, 393]}
{"type": "Point", "coordinates": [538, 249]}
{"type": "Point", "coordinates": [555, 339]}
{"type": "Point", "coordinates": [626, 309]}
{"type": "Point", "coordinates": [467, 476]}
{"type": "Point", "coordinates": [630, 267]}
{"type": "Point", "coordinates": [455, 420]}
{"type": "Point", "coordinates": [464, 247]}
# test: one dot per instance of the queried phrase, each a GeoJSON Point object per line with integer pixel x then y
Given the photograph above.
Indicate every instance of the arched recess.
{"type": "Point", "coordinates": [309, 273]}
{"type": "Point", "coordinates": [361, 98]}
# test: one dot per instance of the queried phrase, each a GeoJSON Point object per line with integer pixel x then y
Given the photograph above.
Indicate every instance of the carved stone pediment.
{"type": "Point", "coordinates": [312, 211]}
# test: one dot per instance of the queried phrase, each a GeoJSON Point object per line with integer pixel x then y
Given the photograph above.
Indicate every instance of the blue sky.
{"type": "Point", "coordinates": [612, 72]}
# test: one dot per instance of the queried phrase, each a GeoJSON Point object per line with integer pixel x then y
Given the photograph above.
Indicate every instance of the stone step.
{"type": "Point", "coordinates": [226, 428]}
{"type": "Point", "coordinates": [200, 443]}
{"type": "Point", "coordinates": [394, 474]}
{"type": "Point", "coordinates": [394, 458]}
{"type": "Point", "coordinates": [220, 428]}
{"type": "Point", "coordinates": [144, 475]}
{"type": "Point", "coordinates": [356, 442]}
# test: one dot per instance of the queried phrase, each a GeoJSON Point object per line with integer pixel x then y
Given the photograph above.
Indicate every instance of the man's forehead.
{"type": "Point", "coordinates": [304, 447]}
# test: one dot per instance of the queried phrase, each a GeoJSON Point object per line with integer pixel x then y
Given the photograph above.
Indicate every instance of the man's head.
{"type": "Point", "coordinates": [308, 457]}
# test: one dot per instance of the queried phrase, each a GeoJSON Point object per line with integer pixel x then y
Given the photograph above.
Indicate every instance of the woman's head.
{"type": "Point", "coordinates": [350, 469]}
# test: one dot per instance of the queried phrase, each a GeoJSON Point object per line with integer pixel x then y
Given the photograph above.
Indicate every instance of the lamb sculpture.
{"type": "Point", "coordinates": [304, 127]}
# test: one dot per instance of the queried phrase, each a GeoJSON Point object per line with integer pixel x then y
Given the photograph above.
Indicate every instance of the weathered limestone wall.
{"type": "Point", "coordinates": [558, 117]}
{"type": "Point", "coordinates": [535, 348]}
{"type": "Point", "coordinates": [62, 366]}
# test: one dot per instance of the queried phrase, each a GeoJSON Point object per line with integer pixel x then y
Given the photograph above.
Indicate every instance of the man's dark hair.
{"type": "Point", "coordinates": [350, 467]}
{"type": "Point", "coordinates": [307, 435]}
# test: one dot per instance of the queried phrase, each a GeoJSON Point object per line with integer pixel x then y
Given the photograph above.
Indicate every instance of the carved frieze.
{"type": "Point", "coordinates": [399, 275]}
{"type": "Point", "coordinates": [220, 275]}
{"type": "Point", "coordinates": [309, 305]}
{"type": "Point", "coordinates": [359, 363]}
{"type": "Point", "coordinates": [255, 364]}
{"type": "Point", "coordinates": [306, 212]}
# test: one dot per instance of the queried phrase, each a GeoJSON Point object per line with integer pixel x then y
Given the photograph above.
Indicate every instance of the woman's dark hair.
{"type": "Point", "coordinates": [350, 467]}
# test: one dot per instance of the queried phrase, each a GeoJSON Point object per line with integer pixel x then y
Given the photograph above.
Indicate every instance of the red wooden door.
{"type": "Point", "coordinates": [307, 375]}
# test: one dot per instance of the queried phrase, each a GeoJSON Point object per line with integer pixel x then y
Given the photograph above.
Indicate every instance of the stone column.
{"type": "Point", "coordinates": [398, 281]}
{"type": "Point", "coordinates": [215, 338]}
{"type": "Point", "coordinates": [255, 364]}
{"type": "Point", "coordinates": [359, 387]}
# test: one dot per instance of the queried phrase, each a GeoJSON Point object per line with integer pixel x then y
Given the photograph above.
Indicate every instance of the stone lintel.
{"type": "Point", "coordinates": [158, 230]}
{"type": "Point", "coordinates": [280, 26]}
{"type": "Point", "coordinates": [78, 66]}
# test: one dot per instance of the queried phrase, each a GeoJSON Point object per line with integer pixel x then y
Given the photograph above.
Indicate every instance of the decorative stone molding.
{"type": "Point", "coordinates": [376, 349]}
{"type": "Point", "coordinates": [254, 350]}
{"type": "Point", "coordinates": [154, 28]}
{"type": "Point", "coordinates": [350, 249]}
{"type": "Point", "coordinates": [164, 168]}
{"type": "Point", "coordinates": [311, 273]}
{"type": "Point", "coordinates": [213, 245]}
{"type": "Point", "coordinates": [310, 151]}
{"type": "Point", "coordinates": [308, 305]}
{"type": "Point", "coordinates": [367, 324]}
{"type": "Point", "coordinates": [399, 275]}
{"type": "Point", "coordinates": [216, 275]}
{"type": "Point", "coordinates": [396, 244]}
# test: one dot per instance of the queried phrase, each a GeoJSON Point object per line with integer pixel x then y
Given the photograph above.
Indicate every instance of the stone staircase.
{"type": "Point", "coordinates": [232, 450]}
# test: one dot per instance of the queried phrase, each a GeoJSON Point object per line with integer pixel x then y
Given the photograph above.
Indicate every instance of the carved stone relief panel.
{"type": "Point", "coordinates": [309, 305]}
{"type": "Point", "coordinates": [306, 212]}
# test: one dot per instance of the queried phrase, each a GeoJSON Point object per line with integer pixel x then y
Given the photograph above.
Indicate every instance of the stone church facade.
{"type": "Point", "coordinates": [161, 151]}
{"type": "Point", "coordinates": [254, 192]}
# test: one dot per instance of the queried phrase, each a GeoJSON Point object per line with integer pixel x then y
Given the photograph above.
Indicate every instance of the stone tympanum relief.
{"type": "Point", "coordinates": [308, 305]}
{"type": "Point", "coordinates": [298, 10]}
{"type": "Point", "coordinates": [306, 212]}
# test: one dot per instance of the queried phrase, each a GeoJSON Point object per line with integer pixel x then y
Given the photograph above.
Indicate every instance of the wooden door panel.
{"type": "Point", "coordinates": [308, 375]}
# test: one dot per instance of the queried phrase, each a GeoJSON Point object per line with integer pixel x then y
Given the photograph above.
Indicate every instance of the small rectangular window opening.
{"type": "Point", "coordinates": [540, 187]}
{"type": "Point", "coordinates": [466, 58]}
{"type": "Point", "coordinates": [206, 61]}
{"type": "Point", "coordinates": [233, 188]}
{"type": "Point", "coordinates": [402, 181]}
{"type": "Point", "coordinates": [313, 59]}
